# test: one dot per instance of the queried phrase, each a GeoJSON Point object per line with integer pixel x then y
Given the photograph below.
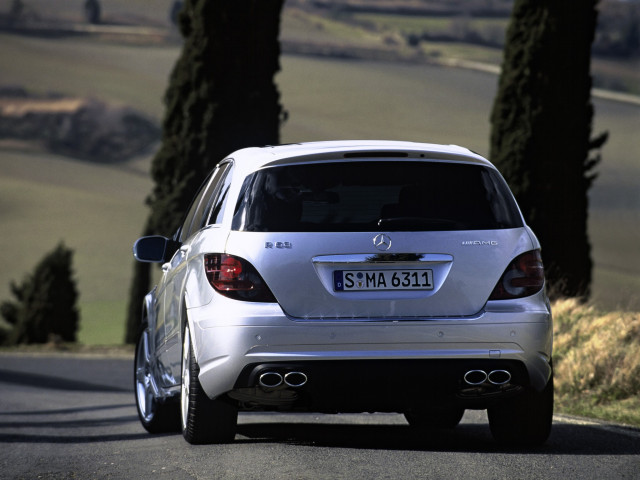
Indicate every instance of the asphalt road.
{"type": "Point", "coordinates": [74, 417]}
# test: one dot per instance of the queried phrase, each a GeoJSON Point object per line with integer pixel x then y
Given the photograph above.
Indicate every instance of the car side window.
{"type": "Point", "coordinates": [192, 220]}
{"type": "Point", "coordinates": [184, 231]}
{"type": "Point", "coordinates": [220, 198]}
{"type": "Point", "coordinates": [200, 213]}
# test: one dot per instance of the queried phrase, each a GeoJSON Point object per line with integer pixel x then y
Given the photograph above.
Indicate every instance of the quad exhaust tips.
{"type": "Point", "coordinates": [275, 379]}
{"type": "Point", "coordinates": [495, 377]}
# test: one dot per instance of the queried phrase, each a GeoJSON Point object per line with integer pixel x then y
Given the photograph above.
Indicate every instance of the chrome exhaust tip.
{"type": "Point", "coordinates": [475, 377]}
{"type": "Point", "coordinates": [499, 377]}
{"type": "Point", "coordinates": [295, 379]}
{"type": "Point", "coordinates": [270, 380]}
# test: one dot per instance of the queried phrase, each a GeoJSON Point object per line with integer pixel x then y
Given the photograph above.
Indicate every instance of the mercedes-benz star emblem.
{"type": "Point", "coordinates": [382, 242]}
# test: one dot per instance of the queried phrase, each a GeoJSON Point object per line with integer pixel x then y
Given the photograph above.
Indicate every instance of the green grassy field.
{"type": "Point", "coordinates": [417, 24]}
{"type": "Point", "coordinates": [384, 31]}
{"type": "Point", "coordinates": [113, 11]}
{"type": "Point", "coordinates": [98, 210]}
{"type": "Point", "coordinates": [130, 75]}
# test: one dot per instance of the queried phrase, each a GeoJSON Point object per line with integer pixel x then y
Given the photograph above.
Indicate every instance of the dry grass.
{"type": "Point", "coordinates": [597, 362]}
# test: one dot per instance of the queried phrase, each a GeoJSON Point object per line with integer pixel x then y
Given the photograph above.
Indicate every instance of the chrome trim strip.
{"type": "Point", "coordinates": [375, 258]}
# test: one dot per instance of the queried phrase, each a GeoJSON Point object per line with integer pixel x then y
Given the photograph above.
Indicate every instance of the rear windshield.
{"type": "Point", "coordinates": [375, 195]}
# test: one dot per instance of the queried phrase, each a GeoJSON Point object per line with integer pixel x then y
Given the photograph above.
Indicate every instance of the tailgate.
{"type": "Point", "coordinates": [340, 275]}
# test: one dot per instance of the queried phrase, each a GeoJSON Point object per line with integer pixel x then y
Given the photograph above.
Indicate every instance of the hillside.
{"type": "Point", "coordinates": [99, 209]}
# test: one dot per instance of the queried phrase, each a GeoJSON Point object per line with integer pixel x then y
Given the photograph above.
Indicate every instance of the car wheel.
{"type": "Point", "coordinates": [155, 416]}
{"type": "Point", "coordinates": [435, 418]}
{"type": "Point", "coordinates": [524, 421]}
{"type": "Point", "coordinates": [203, 420]}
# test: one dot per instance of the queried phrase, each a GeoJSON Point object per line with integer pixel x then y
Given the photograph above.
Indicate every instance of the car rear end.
{"type": "Point", "coordinates": [389, 277]}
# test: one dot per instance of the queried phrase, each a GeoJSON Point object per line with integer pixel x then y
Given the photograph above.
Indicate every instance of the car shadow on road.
{"type": "Point", "coordinates": [60, 411]}
{"type": "Point", "coordinates": [565, 439]}
{"type": "Point", "coordinates": [70, 439]}
{"type": "Point", "coordinates": [56, 383]}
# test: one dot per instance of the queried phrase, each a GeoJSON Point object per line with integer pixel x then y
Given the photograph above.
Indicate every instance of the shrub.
{"type": "Point", "coordinates": [45, 306]}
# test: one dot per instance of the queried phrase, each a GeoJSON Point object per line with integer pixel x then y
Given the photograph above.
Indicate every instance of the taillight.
{"type": "Point", "coordinates": [236, 278]}
{"type": "Point", "coordinates": [523, 277]}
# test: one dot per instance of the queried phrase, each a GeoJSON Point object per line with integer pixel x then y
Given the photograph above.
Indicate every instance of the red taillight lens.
{"type": "Point", "coordinates": [230, 268]}
{"type": "Point", "coordinates": [522, 278]}
{"type": "Point", "coordinates": [236, 278]}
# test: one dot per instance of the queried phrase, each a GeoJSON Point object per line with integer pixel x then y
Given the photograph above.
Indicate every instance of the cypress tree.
{"type": "Point", "coordinates": [541, 131]}
{"type": "Point", "coordinates": [221, 97]}
{"type": "Point", "coordinates": [45, 308]}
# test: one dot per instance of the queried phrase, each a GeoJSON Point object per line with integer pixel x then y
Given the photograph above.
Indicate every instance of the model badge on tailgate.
{"type": "Point", "coordinates": [278, 245]}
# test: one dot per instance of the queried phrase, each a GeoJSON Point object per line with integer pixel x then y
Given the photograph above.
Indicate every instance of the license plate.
{"type": "Point", "coordinates": [364, 280]}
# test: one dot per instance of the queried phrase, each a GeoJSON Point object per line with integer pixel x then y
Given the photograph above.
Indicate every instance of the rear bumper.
{"type": "Point", "coordinates": [413, 358]}
{"type": "Point", "coordinates": [378, 385]}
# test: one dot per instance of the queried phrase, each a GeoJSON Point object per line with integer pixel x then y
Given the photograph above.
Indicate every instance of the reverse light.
{"type": "Point", "coordinates": [236, 278]}
{"type": "Point", "coordinates": [523, 277]}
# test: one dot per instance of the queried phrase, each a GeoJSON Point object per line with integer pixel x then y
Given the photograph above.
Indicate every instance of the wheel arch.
{"type": "Point", "coordinates": [184, 321]}
{"type": "Point", "coordinates": [148, 312]}
{"type": "Point", "coordinates": [148, 319]}
{"type": "Point", "coordinates": [190, 299]}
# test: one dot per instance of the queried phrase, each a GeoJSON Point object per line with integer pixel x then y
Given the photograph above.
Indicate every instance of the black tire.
{"type": "Point", "coordinates": [525, 420]}
{"type": "Point", "coordinates": [203, 420]}
{"type": "Point", "coordinates": [435, 418]}
{"type": "Point", "coordinates": [155, 416]}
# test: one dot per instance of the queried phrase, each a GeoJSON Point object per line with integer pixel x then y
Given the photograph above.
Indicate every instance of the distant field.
{"type": "Point", "coordinates": [131, 75]}
{"type": "Point", "coordinates": [112, 10]}
{"type": "Point", "coordinates": [433, 25]}
{"type": "Point", "coordinates": [609, 73]}
{"type": "Point", "coordinates": [98, 210]}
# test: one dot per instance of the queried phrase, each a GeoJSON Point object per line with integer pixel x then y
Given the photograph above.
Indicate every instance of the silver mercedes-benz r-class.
{"type": "Point", "coordinates": [353, 276]}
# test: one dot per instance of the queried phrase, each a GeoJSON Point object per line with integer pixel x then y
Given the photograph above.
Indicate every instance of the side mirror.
{"type": "Point", "coordinates": [153, 249]}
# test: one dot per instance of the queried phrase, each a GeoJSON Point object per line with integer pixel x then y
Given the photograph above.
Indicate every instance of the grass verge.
{"type": "Point", "coordinates": [597, 362]}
